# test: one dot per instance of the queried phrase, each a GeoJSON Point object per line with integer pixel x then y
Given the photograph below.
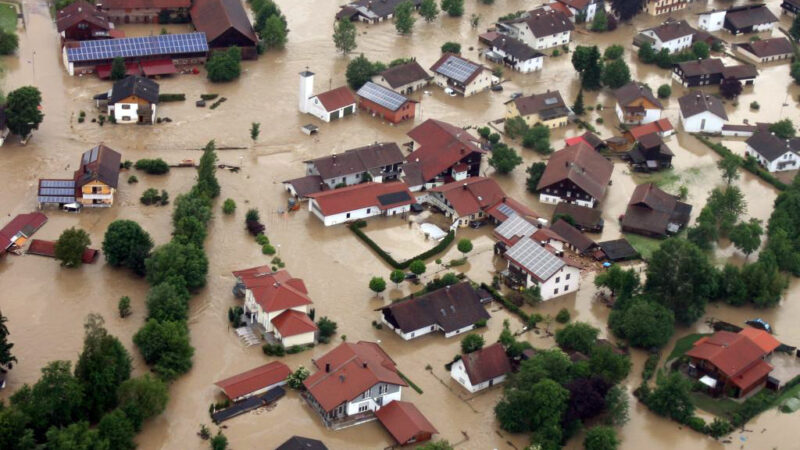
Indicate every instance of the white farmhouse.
{"type": "Point", "coordinates": [133, 99]}
{"type": "Point", "coordinates": [774, 153]}
{"type": "Point", "coordinates": [712, 20]}
{"type": "Point", "coordinates": [673, 35]}
{"type": "Point", "coordinates": [482, 368]}
{"type": "Point", "coordinates": [540, 28]}
{"type": "Point", "coordinates": [636, 104]}
{"type": "Point", "coordinates": [532, 264]}
{"type": "Point", "coordinates": [327, 106]}
{"type": "Point", "coordinates": [515, 54]}
{"type": "Point", "coordinates": [587, 8]}
{"type": "Point", "coordinates": [461, 75]}
{"type": "Point", "coordinates": [702, 113]}
{"type": "Point", "coordinates": [360, 202]}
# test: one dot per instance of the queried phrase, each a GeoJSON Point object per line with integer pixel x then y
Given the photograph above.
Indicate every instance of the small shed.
{"type": "Point", "coordinates": [618, 250]}
{"type": "Point", "coordinates": [405, 422]}
{"type": "Point", "coordinates": [254, 381]}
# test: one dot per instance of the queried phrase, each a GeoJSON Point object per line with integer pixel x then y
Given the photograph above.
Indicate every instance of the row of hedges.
{"type": "Point", "coordinates": [749, 163]}
{"type": "Point", "coordinates": [509, 305]}
{"type": "Point", "coordinates": [171, 97]}
{"type": "Point", "coordinates": [440, 247]}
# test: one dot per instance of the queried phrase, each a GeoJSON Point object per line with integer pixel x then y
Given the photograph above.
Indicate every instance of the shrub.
{"type": "Point", "coordinates": [152, 166]}
{"type": "Point", "coordinates": [262, 240]}
{"type": "Point", "coordinates": [229, 206]}
{"type": "Point", "coordinates": [171, 97]}
{"type": "Point", "coordinates": [132, 179]}
{"type": "Point", "coordinates": [563, 316]}
{"type": "Point", "coordinates": [451, 47]}
{"type": "Point", "coordinates": [150, 197]}
{"type": "Point", "coordinates": [664, 91]}
{"type": "Point", "coordinates": [225, 65]}
{"type": "Point", "coordinates": [268, 250]}
{"type": "Point", "coordinates": [273, 350]}
{"type": "Point", "coordinates": [124, 307]}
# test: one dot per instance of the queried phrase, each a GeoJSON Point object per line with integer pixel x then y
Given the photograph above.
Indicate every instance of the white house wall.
{"type": "Point", "coordinates": [790, 159]}
{"type": "Point", "coordinates": [705, 122]}
{"type": "Point", "coordinates": [554, 200]}
{"type": "Point", "coordinates": [459, 373]}
{"type": "Point", "coordinates": [370, 403]}
{"type": "Point", "coordinates": [712, 21]}
{"type": "Point", "coordinates": [298, 339]}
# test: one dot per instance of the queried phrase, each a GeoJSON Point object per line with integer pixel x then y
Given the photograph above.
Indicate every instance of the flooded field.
{"type": "Point", "coordinates": [46, 304]}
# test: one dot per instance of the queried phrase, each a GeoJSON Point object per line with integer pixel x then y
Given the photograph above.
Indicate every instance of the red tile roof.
{"type": "Point", "coordinates": [521, 210]}
{"type": "Point", "coordinates": [145, 4]}
{"type": "Point", "coordinates": [404, 421]}
{"type": "Point", "coordinates": [659, 126]}
{"type": "Point", "coordinates": [380, 195]}
{"type": "Point", "coordinates": [254, 379]}
{"type": "Point", "coordinates": [764, 340]}
{"type": "Point", "coordinates": [752, 375]}
{"type": "Point", "coordinates": [580, 164]}
{"type": "Point", "coordinates": [556, 6]}
{"type": "Point", "coordinates": [472, 195]}
{"type": "Point", "coordinates": [78, 12]}
{"type": "Point", "coordinates": [25, 224]}
{"type": "Point", "coordinates": [486, 363]}
{"type": "Point", "coordinates": [274, 291]}
{"type": "Point", "coordinates": [441, 145]}
{"type": "Point", "coordinates": [354, 368]}
{"type": "Point", "coordinates": [731, 353]}
{"type": "Point", "coordinates": [337, 98]}
{"type": "Point", "coordinates": [159, 67]}
{"type": "Point", "coordinates": [48, 248]}
{"type": "Point", "coordinates": [292, 323]}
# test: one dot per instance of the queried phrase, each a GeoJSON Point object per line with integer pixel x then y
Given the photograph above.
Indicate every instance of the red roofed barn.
{"type": "Point", "coordinates": [278, 303]}
{"type": "Point", "coordinates": [14, 235]}
{"type": "Point", "coordinates": [352, 382]}
{"type": "Point", "coordinates": [225, 24]}
{"type": "Point", "coordinates": [360, 201]}
{"type": "Point", "coordinates": [405, 423]}
{"type": "Point", "coordinates": [254, 381]}
{"type": "Point", "coordinates": [82, 21]}
{"type": "Point", "coordinates": [143, 11]}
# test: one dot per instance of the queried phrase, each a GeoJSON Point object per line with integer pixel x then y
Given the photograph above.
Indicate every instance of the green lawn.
{"type": "Point", "coordinates": [8, 17]}
{"type": "Point", "coordinates": [644, 245]}
{"type": "Point", "coordinates": [721, 407]}
{"type": "Point", "coordinates": [684, 344]}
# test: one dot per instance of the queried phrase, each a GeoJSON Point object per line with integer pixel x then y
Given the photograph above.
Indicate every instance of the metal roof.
{"type": "Point", "coordinates": [536, 259]}
{"type": "Point", "coordinates": [382, 96]}
{"type": "Point", "coordinates": [134, 47]}
{"type": "Point", "coordinates": [515, 226]}
{"type": "Point", "coordinates": [458, 69]}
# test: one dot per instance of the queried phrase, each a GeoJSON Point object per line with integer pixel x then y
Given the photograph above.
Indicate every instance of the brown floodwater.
{"type": "Point", "coordinates": [47, 304]}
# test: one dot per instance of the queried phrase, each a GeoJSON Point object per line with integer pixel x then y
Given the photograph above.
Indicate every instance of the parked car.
{"type": "Point", "coordinates": [516, 95]}
{"type": "Point", "coordinates": [497, 87]}
{"type": "Point", "coordinates": [477, 224]}
{"type": "Point", "coordinates": [450, 92]}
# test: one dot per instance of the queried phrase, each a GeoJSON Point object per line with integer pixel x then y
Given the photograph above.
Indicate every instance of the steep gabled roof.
{"type": "Point", "coordinates": [580, 164]}
{"type": "Point", "coordinates": [451, 308]}
{"type": "Point", "coordinates": [652, 210]}
{"type": "Point", "coordinates": [659, 126]}
{"type": "Point", "coordinates": [708, 66]}
{"type": "Point", "coordinates": [733, 354]}
{"type": "Point", "coordinates": [348, 371]}
{"type": "Point", "coordinates": [441, 145]}
{"type": "Point", "coordinates": [516, 48]}
{"type": "Point", "coordinates": [254, 379]}
{"type": "Point", "coordinates": [336, 99]}
{"type": "Point", "coordinates": [547, 105]}
{"type": "Point", "coordinates": [141, 87]}
{"type": "Point", "coordinates": [472, 195]}
{"type": "Point", "coordinates": [404, 74]}
{"type": "Point", "coordinates": [25, 224]}
{"type": "Point", "coordinates": [546, 22]}
{"type": "Point", "coordinates": [404, 421]}
{"type": "Point", "coordinates": [698, 102]}
{"type": "Point", "coordinates": [274, 291]}
{"type": "Point", "coordinates": [487, 363]}
{"type": "Point", "coordinates": [749, 15]}
{"type": "Point", "coordinates": [302, 443]}
{"type": "Point", "coordinates": [380, 195]}
{"type": "Point", "coordinates": [534, 258]}
{"type": "Point", "coordinates": [772, 147]}
{"type": "Point", "coordinates": [634, 90]}
{"type": "Point", "coordinates": [292, 322]}
{"type": "Point", "coordinates": [215, 17]}
{"type": "Point", "coordinates": [80, 11]}
{"type": "Point", "coordinates": [99, 163]}
{"type": "Point", "coordinates": [672, 29]}
{"type": "Point", "coordinates": [455, 67]}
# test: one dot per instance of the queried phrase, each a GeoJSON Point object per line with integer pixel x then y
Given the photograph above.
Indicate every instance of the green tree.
{"type": "Point", "coordinates": [586, 61]}
{"type": "Point", "coordinates": [255, 130]}
{"type": "Point", "coordinates": [102, 366]}
{"type": "Point", "coordinates": [296, 378]}
{"type": "Point", "coordinates": [344, 36]}
{"type": "Point", "coordinates": [417, 267]}
{"type": "Point", "coordinates": [451, 47]}
{"type": "Point", "coordinates": [126, 244]}
{"type": "Point", "coordinates": [207, 183]}
{"type": "Point", "coordinates": [264, 10]}
{"type": "Point", "coordinates": [9, 42]}
{"type": "Point", "coordinates": [377, 284]}
{"type": "Point", "coordinates": [14, 431]}
{"type": "Point", "coordinates": [403, 19]}
{"type": "Point", "coordinates": [189, 230]}
{"type": "Point", "coordinates": [644, 324]}
{"type": "Point", "coordinates": [626, 9]}
{"type": "Point", "coordinates": [327, 328]}
{"type": "Point", "coordinates": [616, 74]}
{"type": "Point", "coordinates": [465, 246]}
{"type": "Point", "coordinates": [646, 53]}
{"type": "Point", "coordinates": [22, 111]}
{"type": "Point", "coordinates": [397, 276]}
{"type": "Point", "coordinates": [764, 282]}
{"type": "Point", "coordinates": [720, 427]}
{"type": "Point", "coordinates": [274, 33]}
{"type": "Point", "coordinates": [229, 206]}
{"type": "Point", "coordinates": [746, 236]}
{"type": "Point", "coordinates": [794, 71]}
{"type": "Point", "coordinates": [700, 50]}
{"type": "Point", "coordinates": [7, 359]}
{"type": "Point", "coordinates": [175, 261]}
{"type": "Point", "coordinates": [194, 205]}
{"type": "Point", "coordinates": [622, 283]}
{"type": "Point", "coordinates": [578, 107]}
{"type": "Point", "coordinates": [600, 20]}
{"type": "Point", "coordinates": [142, 398]}
{"type": "Point", "coordinates": [535, 172]}
{"type": "Point", "coordinates": [471, 343]}
{"type": "Point", "coordinates": [56, 400]}
{"type": "Point", "coordinates": [516, 127]}
{"type": "Point", "coordinates": [795, 29]}
{"type": "Point", "coordinates": [359, 71]}
{"type": "Point", "coordinates": [124, 306]}
{"type": "Point", "coordinates": [578, 336]}
{"type": "Point", "coordinates": [617, 406]}
{"type": "Point", "coordinates": [75, 436]}
{"type": "Point", "coordinates": [538, 138]}
{"type": "Point", "coordinates": [224, 66]}
{"type": "Point", "coordinates": [783, 129]}
{"type": "Point", "coordinates": [614, 52]}
{"type": "Point", "coordinates": [118, 69]}
{"type": "Point", "coordinates": [441, 444]}
{"type": "Point", "coordinates": [428, 9]}
{"type": "Point", "coordinates": [70, 246]}
{"type": "Point", "coordinates": [453, 8]}
{"type": "Point", "coordinates": [538, 407]}
{"type": "Point", "coordinates": [729, 166]}
{"type": "Point", "coordinates": [664, 91]}
{"type": "Point", "coordinates": [680, 277]}
{"type": "Point", "coordinates": [219, 442]}
{"type": "Point", "coordinates": [168, 301]}
{"type": "Point", "coordinates": [117, 429]}
{"type": "Point", "coordinates": [671, 397]}
{"type": "Point", "coordinates": [601, 438]}
{"type": "Point", "coordinates": [563, 315]}
{"type": "Point", "coordinates": [504, 159]}
{"type": "Point", "coordinates": [165, 346]}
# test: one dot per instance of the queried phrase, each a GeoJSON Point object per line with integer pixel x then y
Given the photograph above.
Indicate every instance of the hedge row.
{"type": "Point", "coordinates": [749, 163]}
{"type": "Point", "coordinates": [171, 97]}
{"type": "Point", "coordinates": [511, 307]}
{"type": "Point", "coordinates": [410, 383]}
{"type": "Point", "coordinates": [440, 247]}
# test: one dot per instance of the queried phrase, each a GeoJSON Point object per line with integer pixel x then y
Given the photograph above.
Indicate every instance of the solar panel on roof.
{"type": "Point", "coordinates": [550, 101]}
{"type": "Point", "coordinates": [506, 210]}
{"type": "Point", "coordinates": [457, 69]}
{"type": "Point", "coordinates": [393, 197]}
{"type": "Point", "coordinates": [382, 96]}
{"type": "Point", "coordinates": [56, 191]}
{"type": "Point", "coordinates": [535, 258]}
{"type": "Point", "coordinates": [515, 226]}
{"type": "Point", "coordinates": [58, 183]}
{"type": "Point", "coordinates": [55, 199]}
{"type": "Point", "coordinates": [138, 46]}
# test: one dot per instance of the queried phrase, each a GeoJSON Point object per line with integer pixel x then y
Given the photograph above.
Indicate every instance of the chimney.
{"type": "Point", "coordinates": [364, 364]}
{"type": "Point", "coordinates": [542, 243]}
{"type": "Point", "coordinates": [327, 367]}
{"type": "Point", "coordinates": [341, 378]}
{"type": "Point", "coordinates": [465, 184]}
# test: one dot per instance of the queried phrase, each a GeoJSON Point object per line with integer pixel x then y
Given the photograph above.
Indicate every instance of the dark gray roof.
{"type": "Point", "coordinates": [618, 250]}
{"type": "Point", "coordinates": [768, 47]}
{"type": "Point", "coordinates": [772, 147]}
{"type": "Point", "coordinates": [749, 15]}
{"type": "Point", "coordinates": [358, 160]}
{"type": "Point", "coordinates": [404, 74]}
{"type": "Point", "coordinates": [302, 443]}
{"type": "Point", "coordinates": [381, 95]}
{"type": "Point", "coordinates": [141, 87]}
{"type": "Point", "coordinates": [633, 90]}
{"type": "Point", "coordinates": [544, 22]}
{"type": "Point", "coordinates": [582, 216]}
{"type": "Point", "coordinates": [651, 211]}
{"type": "Point", "coordinates": [702, 67]}
{"type": "Point", "coordinates": [547, 105]}
{"type": "Point", "coordinates": [698, 102]}
{"type": "Point", "coordinates": [451, 308]}
{"type": "Point", "coordinates": [740, 72]}
{"type": "Point", "coordinates": [308, 184]}
{"type": "Point", "coordinates": [672, 29]}
{"type": "Point", "coordinates": [515, 48]}
{"type": "Point", "coordinates": [573, 236]}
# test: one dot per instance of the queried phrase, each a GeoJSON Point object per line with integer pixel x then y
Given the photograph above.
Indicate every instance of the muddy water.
{"type": "Point", "coordinates": [46, 304]}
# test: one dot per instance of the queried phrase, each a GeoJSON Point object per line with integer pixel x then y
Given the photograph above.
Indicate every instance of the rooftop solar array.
{"type": "Point", "coordinates": [506, 210]}
{"type": "Point", "coordinates": [457, 69]}
{"type": "Point", "coordinates": [90, 156]}
{"type": "Point", "coordinates": [535, 259]}
{"type": "Point", "coordinates": [134, 47]}
{"type": "Point", "coordinates": [57, 184]}
{"type": "Point", "coordinates": [515, 226]}
{"type": "Point", "coordinates": [393, 197]}
{"type": "Point", "coordinates": [56, 191]}
{"type": "Point", "coordinates": [59, 200]}
{"type": "Point", "coordinates": [382, 96]}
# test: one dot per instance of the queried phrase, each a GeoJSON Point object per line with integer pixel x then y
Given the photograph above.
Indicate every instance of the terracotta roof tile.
{"type": "Point", "coordinates": [292, 322]}
{"type": "Point", "coordinates": [274, 291]}
{"type": "Point", "coordinates": [254, 379]}
{"type": "Point", "coordinates": [441, 145]}
{"type": "Point", "coordinates": [380, 195]}
{"type": "Point", "coordinates": [731, 353]}
{"type": "Point", "coordinates": [215, 17]}
{"type": "Point", "coordinates": [471, 195]}
{"type": "Point", "coordinates": [404, 421]}
{"type": "Point", "coordinates": [764, 340]}
{"type": "Point", "coordinates": [337, 98]}
{"type": "Point", "coordinates": [486, 363]}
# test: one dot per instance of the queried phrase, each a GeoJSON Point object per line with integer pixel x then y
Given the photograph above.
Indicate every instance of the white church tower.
{"type": "Point", "coordinates": [306, 89]}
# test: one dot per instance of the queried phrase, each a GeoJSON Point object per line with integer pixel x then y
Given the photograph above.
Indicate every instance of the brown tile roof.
{"type": "Point", "coordinates": [80, 11]}
{"type": "Point", "coordinates": [707, 66]}
{"type": "Point", "coordinates": [749, 15]}
{"type": "Point", "coordinates": [544, 22]}
{"type": "Point", "coordinates": [99, 163]}
{"type": "Point", "coordinates": [633, 91]}
{"type": "Point", "coordinates": [441, 145]}
{"type": "Point", "coordinates": [573, 236]}
{"type": "Point", "coordinates": [556, 6]}
{"type": "Point", "coordinates": [697, 102]}
{"type": "Point", "coordinates": [145, 4]}
{"type": "Point", "coordinates": [672, 29]}
{"type": "Point", "coordinates": [215, 17]}
{"type": "Point", "coordinates": [357, 160]}
{"type": "Point", "coordinates": [659, 126]}
{"type": "Point", "coordinates": [307, 185]}
{"type": "Point", "coordinates": [768, 47]}
{"type": "Point", "coordinates": [292, 322]}
{"type": "Point", "coordinates": [472, 195]}
{"type": "Point", "coordinates": [651, 210]}
{"type": "Point", "coordinates": [274, 291]}
{"type": "Point", "coordinates": [381, 195]}
{"type": "Point", "coordinates": [486, 363]}
{"type": "Point", "coordinates": [337, 98]}
{"type": "Point", "coordinates": [451, 308]}
{"type": "Point", "coordinates": [584, 217]}
{"type": "Point", "coordinates": [547, 105]}
{"type": "Point", "coordinates": [733, 354]}
{"type": "Point", "coordinates": [470, 71]}
{"type": "Point", "coordinates": [404, 421]}
{"type": "Point", "coordinates": [404, 74]}
{"type": "Point", "coordinates": [580, 164]}
{"type": "Point", "coordinates": [498, 210]}
{"type": "Point", "coordinates": [254, 379]}
{"type": "Point", "coordinates": [348, 371]}
{"type": "Point", "coordinates": [740, 71]}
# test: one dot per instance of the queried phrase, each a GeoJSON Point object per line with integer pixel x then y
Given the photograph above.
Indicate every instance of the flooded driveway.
{"type": "Point", "coordinates": [46, 304]}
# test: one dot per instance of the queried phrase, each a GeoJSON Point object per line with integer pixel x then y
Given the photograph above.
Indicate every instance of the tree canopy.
{"type": "Point", "coordinates": [7, 359]}
{"type": "Point", "coordinates": [22, 110]}
{"type": "Point", "coordinates": [579, 336]}
{"type": "Point", "coordinates": [175, 261]}
{"type": "Point", "coordinates": [165, 346]}
{"type": "Point", "coordinates": [224, 66]}
{"type": "Point", "coordinates": [471, 343]}
{"type": "Point", "coordinates": [70, 247]}
{"type": "Point", "coordinates": [344, 36]}
{"type": "Point", "coordinates": [126, 244]}
{"type": "Point", "coordinates": [504, 159]}
{"type": "Point", "coordinates": [360, 70]}
{"type": "Point", "coordinates": [403, 17]}
{"type": "Point", "coordinates": [429, 10]}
